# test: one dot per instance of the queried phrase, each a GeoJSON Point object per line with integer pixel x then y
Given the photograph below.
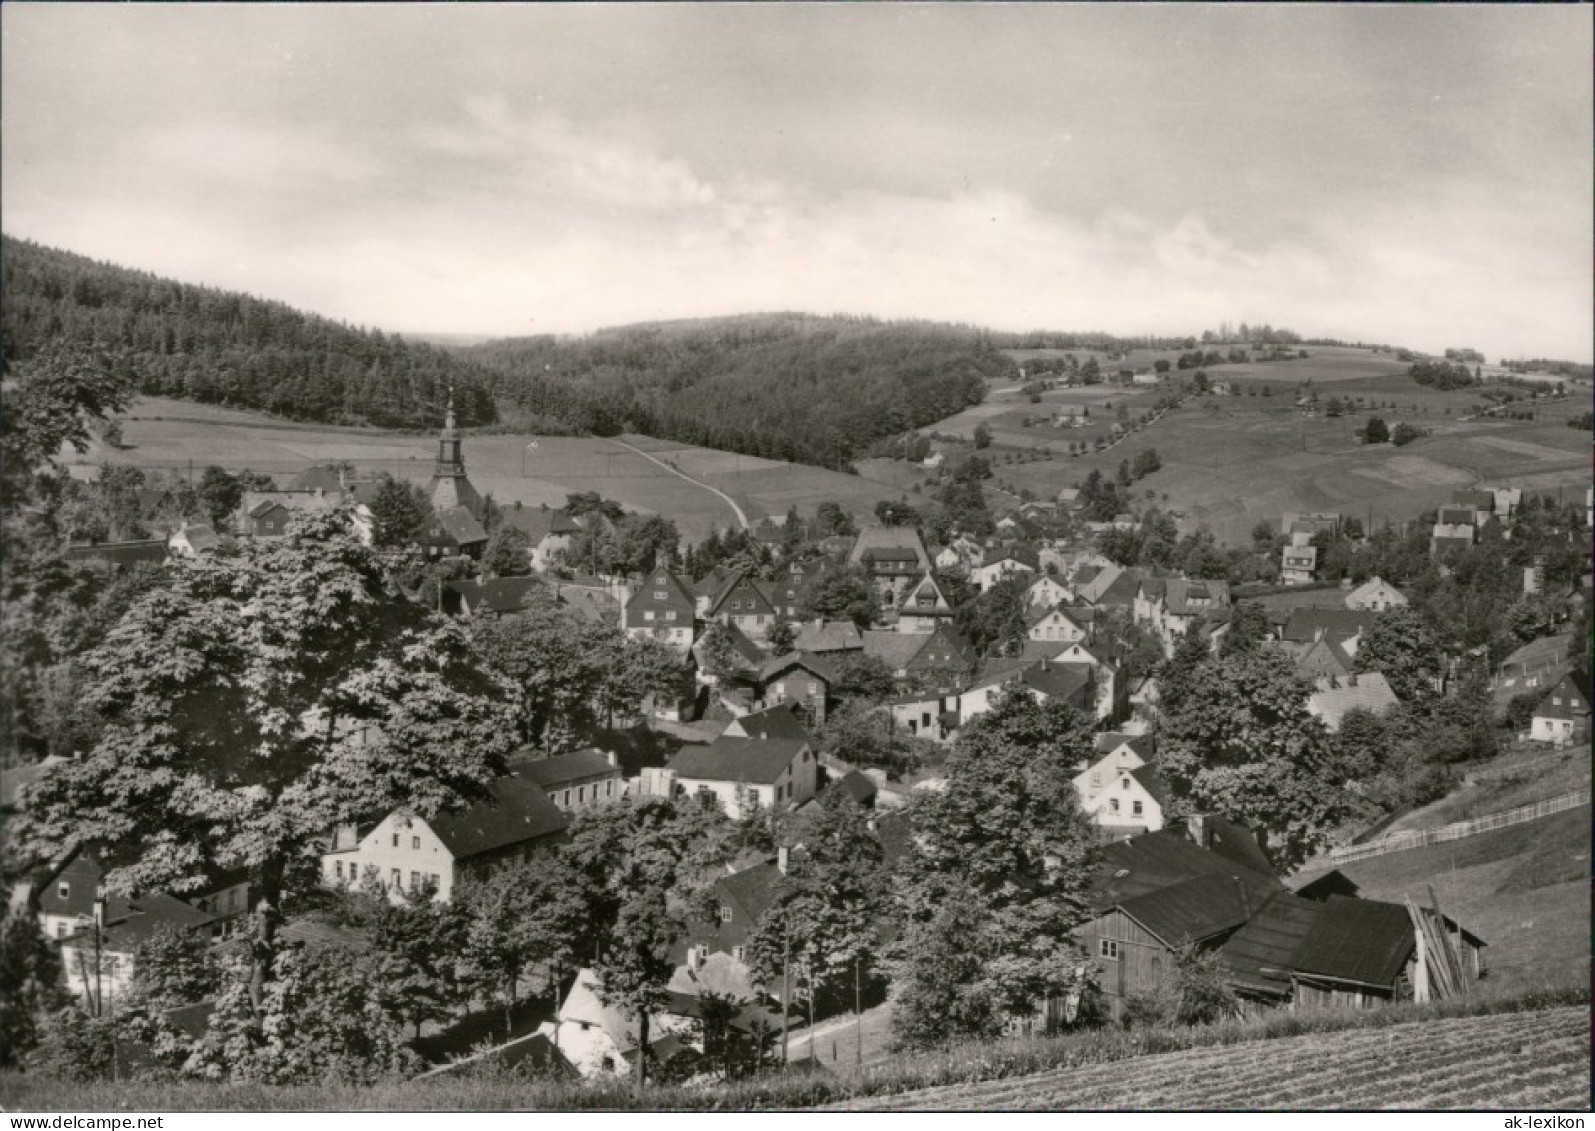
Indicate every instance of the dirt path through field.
{"type": "Point", "coordinates": [742, 519]}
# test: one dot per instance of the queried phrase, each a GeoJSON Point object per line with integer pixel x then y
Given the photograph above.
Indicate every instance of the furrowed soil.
{"type": "Point", "coordinates": [1536, 1060]}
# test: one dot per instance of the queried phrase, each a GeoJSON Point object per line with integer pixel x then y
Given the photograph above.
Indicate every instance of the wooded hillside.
{"type": "Point", "coordinates": [223, 347]}
{"type": "Point", "coordinates": [783, 386]}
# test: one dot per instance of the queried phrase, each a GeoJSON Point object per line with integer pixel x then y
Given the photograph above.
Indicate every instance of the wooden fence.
{"type": "Point", "coordinates": [1401, 842]}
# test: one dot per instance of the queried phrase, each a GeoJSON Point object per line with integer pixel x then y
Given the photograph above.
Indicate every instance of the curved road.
{"type": "Point", "coordinates": [729, 501]}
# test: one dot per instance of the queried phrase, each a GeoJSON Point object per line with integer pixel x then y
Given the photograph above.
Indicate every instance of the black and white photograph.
{"type": "Point", "coordinates": [786, 557]}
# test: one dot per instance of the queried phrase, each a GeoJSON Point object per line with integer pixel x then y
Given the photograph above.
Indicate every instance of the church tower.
{"type": "Point", "coordinates": [450, 486]}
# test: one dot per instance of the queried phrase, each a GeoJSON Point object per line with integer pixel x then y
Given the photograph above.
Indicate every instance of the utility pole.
{"type": "Point", "coordinates": [786, 989]}
{"type": "Point", "coordinates": [858, 1017]}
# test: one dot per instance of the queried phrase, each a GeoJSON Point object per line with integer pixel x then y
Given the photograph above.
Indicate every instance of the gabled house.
{"type": "Point", "coordinates": [1297, 564]}
{"type": "Point", "coordinates": [662, 608]}
{"type": "Point", "coordinates": [1001, 564]}
{"type": "Point", "coordinates": [785, 595]}
{"type": "Point", "coordinates": [1134, 802]}
{"type": "Point", "coordinates": [893, 556]}
{"type": "Point", "coordinates": [404, 852]}
{"type": "Point", "coordinates": [784, 720]}
{"type": "Point", "coordinates": [724, 654]}
{"type": "Point", "coordinates": [960, 555]}
{"type": "Point", "coordinates": [894, 649]}
{"type": "Point", "coordinates": [1375, 595]}
{"type": "Point", "coordinates": [192, 539]}
{"type": "Point", "coordinates": [97, 957]}
{"type": "Point", "coordinates": [1060, 623]}
{"type": "Point", "coordinates": [747, 775]}
{"type": "Point", "coordinates": [600, 1040]}
{"type": "Point", "coordinates": [741, 602]}
{"type": "Point", "coordinates": [1069, 683]}
{"type": "Point", "coordinates": [1323, 658]}
{"type": "Point", "coordinates": [1562, 717]}
{"type": "Point", "coordinates": [740, 899]}
{"type": "Point", "coordinates": [1539, 663]}
{"type": "Point", "coordinates": [800, 679]}
{"type": "Point", "coordinates": [1115, 754]}
{"type": "Point", "coordinates": [929, 715]}
{"type": "Point", "coordinates": [265, 514]}
{"type": "Point", "coordinates": [489, 600]}
{"type": "Point", "coordinates": [454, 532]}
{"type": "Point", "coordinates": [923, 607]}
{"type": "Point", "coordinates": [1047, 592]}
{"type": "Point", "coordinates": [1342, 627]}
{"type": "Point", "coordinates": [548, 530]}
{"type": "Point", "coordinates": [1333, 697]}
{"type": "Point", "coordinates": [945, 658]}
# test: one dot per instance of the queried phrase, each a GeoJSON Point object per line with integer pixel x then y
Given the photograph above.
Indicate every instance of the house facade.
{"type": "Point", "coordinates": [662, 609]}
{"type": "Point", "coordinates": [1562, 718]}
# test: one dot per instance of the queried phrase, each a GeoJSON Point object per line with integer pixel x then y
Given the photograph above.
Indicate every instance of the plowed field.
{"type": "Point", "coordinates": [1519, 1061]}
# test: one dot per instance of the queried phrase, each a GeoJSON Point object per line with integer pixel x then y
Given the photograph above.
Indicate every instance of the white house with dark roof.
{"type": "Point", "coordinates": [1562, 717]}
{"type": "Point", "coordinates": [747, 774]}
{"type": "Point", "coordinates": [404, 852]}
{"type": "Point", "coordinates": [1059, 623]}
{"type": "Point", "coordinates": [1071, 683]}
{"type": "Point", "coordinates": [1131, 802]}
{"type": "Point", "coordinates": [1375, 595]}
{"type": "Point", "coordinates": [1332, 697]}
{"type": "Point", "coordinates": [548, 530]}
{"type": "Point", "coordinates": [1002, 564]}
{"type": "Point", "coordinates": [893, 557]}
{"type": "Point", "coordinates": [98, 964]}
{"type": "Point", "coordinates": [923, 607]}
{"type": "Point", "coordinates": [823, 637]}
{"type": "Point", "coordinates": [1047, 592]}
{"type": "Point", "coordinates": [1297, 564]}
{"type": "Point", "coordinates": [737, 599]}
{"type": "Point", "coordinates": [581, 779]}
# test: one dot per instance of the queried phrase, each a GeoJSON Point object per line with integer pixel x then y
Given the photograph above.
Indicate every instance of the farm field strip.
{"type": "Point", "coordinates": [1450, 1062]}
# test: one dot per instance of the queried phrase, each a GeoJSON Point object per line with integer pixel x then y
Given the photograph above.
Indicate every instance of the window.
{"type": "Point", "coordinates": [581, 794]}
{"type": "Point", "coordinates": [1135, 807]}
{"type": "Point", "coordinates": [415, 843]}
{"type": "Point", "coordinates": [671, 615]}
{"type": "Point", "coordinates": [398, 880]}
{"type": "Point", "coordinates": [437, 882]}
{"type": "Point", "coordinates": [1113, 804]}
{"type": "Point", "coordinates": [648, 614]}
{"type": "Point", "coordinates": [1096, 778]}
{"type": "Point", "coordinates": [1110, 948]}
{"type": "Point", "coordinates": [337, 867]}
{"type": "Point", "coordinates": [725, 914]}
{"type": "Point", "coordinates": [395, 840]}
{"type": "Point", "coordinates": [415, 881]}
{"type": "Point", "coordinates": [737, 952]}
{"type": "Point", "coordinates": [659, 594]}
{"type": "Point", "coordinates": [63, 891]}
{"type": "Point", "coordinates": [567, 797]}
{"type": "Point", "coordinates": [60, 930]}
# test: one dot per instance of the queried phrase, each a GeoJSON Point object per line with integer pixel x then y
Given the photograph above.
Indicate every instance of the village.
{"type": "Point", "coordinates": [823, 665]}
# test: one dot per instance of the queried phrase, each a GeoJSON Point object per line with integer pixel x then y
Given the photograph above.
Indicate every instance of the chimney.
{"type": "Point", "coordinates": [99, 912]}
{"type": "Point", "coordinates": [780, 859]}
{"type": "Point", "coordinates": [1196, 826]}
{"type": "Point", "coordinates": [612, 758]}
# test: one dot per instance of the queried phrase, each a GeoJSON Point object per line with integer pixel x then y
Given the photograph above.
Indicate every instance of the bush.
{"type": "Point", "coordinates": [1406, 433]}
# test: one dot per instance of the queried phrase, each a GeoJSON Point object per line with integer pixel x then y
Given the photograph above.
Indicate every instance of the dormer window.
{"type": "Point", "coordinates": [725, 914]}
{"type": "Point", "coordinates": [659, 594]}
{"type": "Point", "coordinates": [63, 891]}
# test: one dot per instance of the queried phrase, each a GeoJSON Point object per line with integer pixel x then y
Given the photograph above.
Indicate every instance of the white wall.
{"type": "Point", "coordinates": [378, 851]}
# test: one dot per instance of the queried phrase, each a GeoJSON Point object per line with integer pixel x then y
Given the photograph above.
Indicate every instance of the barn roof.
{"type": "Point", "coordinates": [551, 773]}
{"type": "Point", "coordinates": [779, 721]}
{"type": "Point", "coordinates": [1161, 859]}
{"type": "Point", "coordinates": [1357, 940]}
{"type": "Point", "coordinates": [753, 760]}
{"type": "Point", "coordinates": [517, 810]}
{"type": "Point", "coordinates": [1200, 907]}
{"type": "Point", "coordinates": [1269, 942]}
{"type": "Point", "coordinates": [500, 594]}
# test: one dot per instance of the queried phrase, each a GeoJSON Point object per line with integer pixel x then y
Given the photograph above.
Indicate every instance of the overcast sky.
{"type": "Point", "coordinates": [1413, 174]}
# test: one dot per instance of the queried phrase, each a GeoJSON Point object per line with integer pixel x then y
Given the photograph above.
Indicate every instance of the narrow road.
{"type": "Point", "coordinates": [729, 501]}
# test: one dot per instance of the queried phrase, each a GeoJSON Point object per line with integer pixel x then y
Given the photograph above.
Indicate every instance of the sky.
{"type": "Point", "coordinates": [1419, 175]}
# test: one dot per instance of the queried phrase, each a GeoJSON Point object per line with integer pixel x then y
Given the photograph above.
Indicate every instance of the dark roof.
{"type": "Point", "coordinates": [1200, 907]}
{"type": "Point", "coordinates": [1357, 940]}
{"type": "Point", "coordinates": [135, 922]}
{"type": "Point", "coordinates": [858, 787]}
{"type": "Point", "coordinates": [1332, 882]}
{"type": "Point", "coordinates": [518, 810]}
{"type": "Point", "coordinates": [1573, 704]}
{"type": "Point", "coordinates": [538, 523]}
{"type": "Point", "coordinates": [1147, 776]}
{"type": "Point", "coordinates": [550, 773]}
{"type": "Point", "coordinates": [1269, 942]}
{"type": "Point", "coordinates": [1237, 844]}
{"type": "Point", "coordinates": [1142, 744]}
{"type": "Point", "coordinates": [119, 553]}
{"type": "Point", "coordinates": [677, 598]}
{"type": "Point", "coordinates": [814, 664]}
{"type": "Point", "coordinates": [753, 760]}
{"type": "Point", "coordinates": [894, 649]}
{"type": "Point", "coordinates": [1162, 859]}
{"type": "Point", "coordinates": [828, 636]}
{"type": "Point", "coordinates": [1306, 624]}
{"type": "Point", "coordinates": [458, 525]}
{"type": "Point", "coordinates": [895, 831]}
{"type": "Point", "coordinates": [1057, 681]}
{"type": "Point", "coordinates": [753, 888]}
{"type": "Point", "coordinates": [500, 595]}
{"type": "Point", "coordinates": [779, 721]}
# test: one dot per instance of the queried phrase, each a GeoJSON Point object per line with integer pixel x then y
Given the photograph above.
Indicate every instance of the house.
{"type": "Point", "coordinates": [1324, 657]}
{"type": "Point", "coordinates": [1336, 952]}
{"type": "Point", "coordinates": [1342, 627]}
{"type": "Point", "coordinates": [828, 637]}
{"type": "Point", "coordinates": [1449, 538]}
{"type": "Point", "coordinates": [747, 775]}
{"type": "Point", "coordinates": [265, 514]}
{"type": "Point", "coordinates": [118, 557]}
{"type": "Point", "coordinates": [923, 607]}
{"type": "Point", "coordinates": [894, 557]}
{"type": "Point", "coordinates": [780, 721]}
{"type": "Point", "coordinates": [724, 653]}
{"type": "Point", "coordinates": [741, 602]}
{"type": "Point", "coordinates": [66, 894]}
{"type": "Point", "coordinates": [192, 539]}
{"type": "Point", "coordinates": [1480, 502]}
{"type": "Point", "coordinates": [1159, 891]}
{"type": "Point", "coordinates": [1115, 754]}
{"type": "Point", "coordinates": [1333, 697]}
{"type": "Point", "coordinates": [1133, 802]}
{"type": "Point", "coordinates": [450, 487]}
{"type": "Point", "coordinates": [1104, 672]}
{"type": "Point", "coordinates": [599, 603]}
{"type": "Point", "coordinates": [1308, 524]}
{"type": "Point", "coordinates": [740, 899]}
{"type": "Point", "coordinates": [581, 779]}
{"type": "Point", "coordinates": [1297, 564]}
{"type": "Point", "coordinates": [405, 852]}
{"type": "Point", "coordinates": [662, 609]}
{"type": "Point", "coordinates": [797, 678]}
{"type": "Point", "coordinates": [1375, 595]}
{"type": "Point", "coordinates": [928, 715]}
{"type": "Point", "coordinates": [961, 555]}
{"type": "Point", "coordinates": [1001, 564]}
{"type": "Point", "coordinates": [1047, 592]}
{"type": "Point", "coordinates": [785, 595]}
{"type": "Point", "coordinates": [489, 600]}
{"type": "Point", "coordinates": [97, 957]}
{"type": "Point", "coordinates": [602, 1040]}
{"type": "Point", "coordinates": [1070, 683]}
{"type": "Point", "coordinates": [1109, 586]}
{"type": "Point", "coordinates": [1170, 606]}
{"type": "Point", "coordinates": [1562, 717]}
{"type": "Point", "coordinates": [1071, 416]}
{"type": "Point", "coordinates": [1061, 624]}
{"type": "Point", "coordinates": [894, 649]}
{"type": "Point", "coordinates": [454, 532]}
{"type": "Point", "coordinates": [548, 531]}
{"type": "Point", "coordinates": [1539, 663]}
{"type": "Point", "coordinates": [944, 659]}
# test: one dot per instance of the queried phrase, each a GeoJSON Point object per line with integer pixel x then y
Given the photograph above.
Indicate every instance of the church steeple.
{"type": "Point", "coordinates": [450, 485]}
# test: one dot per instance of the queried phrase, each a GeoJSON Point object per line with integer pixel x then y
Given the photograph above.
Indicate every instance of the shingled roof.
{"type": "Point", "coordinates": [1269, 942]}
{"type": "Point", "coordinates": [517, 810]}
{"type": "Point", "coordinates": [1357, 940]}
{"type": "Point", "coordinates": [752, 760]}
{"type": "Point", "coordinates": [552, 772]}
{"type": "Point", "coordinates": [779, 721]}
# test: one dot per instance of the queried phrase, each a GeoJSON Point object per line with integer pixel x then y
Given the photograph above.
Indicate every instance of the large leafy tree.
{"type": "Point", "coordinates": [254, 703]}
{"type": "Point", "coordinates": [998, 879]}
{"type": "Point", "coordinates": [1401, 647]}
{"type": "Point", "coordinates": [1240, 742]}
{"type": "Point", "coordinates": [840, 593]}
{"type": "Point", "coordinates": [528, 914]}
{"type": "Point", "coordinates": [55, 399]}
{"type": "Point", "coordinates": [30, 985]}
{"type": "Point", "coordinates": [400, 512]}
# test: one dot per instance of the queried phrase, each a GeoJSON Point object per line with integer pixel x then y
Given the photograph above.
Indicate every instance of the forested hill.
{"type": "Point", "coordinates": [796, 387]}
{"type": "Point", "coordinates": [223, 347]}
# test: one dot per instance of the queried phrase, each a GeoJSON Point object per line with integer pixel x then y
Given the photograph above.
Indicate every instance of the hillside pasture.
{"type": "Point", "coordinates": [180, 436]}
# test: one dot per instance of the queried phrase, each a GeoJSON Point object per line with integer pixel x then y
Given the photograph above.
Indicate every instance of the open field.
{"type": "Point", "coordinates": [1537, 1061]}
{"type": "Point", "coordinates": [1524, 890]}
{"type": "Point", "coordinates": [177, 435]}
